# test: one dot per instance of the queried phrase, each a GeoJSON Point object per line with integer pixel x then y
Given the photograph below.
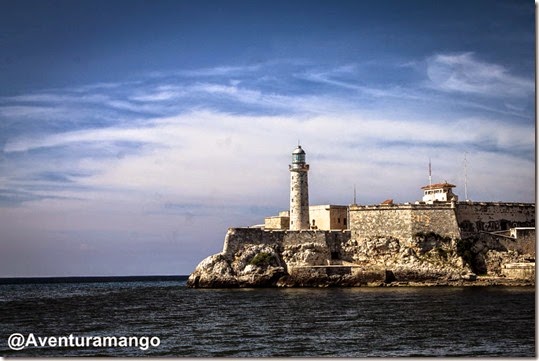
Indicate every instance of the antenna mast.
{"type": "Point", "coordinates": [465, 177]}
{"type": "Point", "coordinates": [430, 174]}
{"type": "Point", "coordinates": [355, 194]}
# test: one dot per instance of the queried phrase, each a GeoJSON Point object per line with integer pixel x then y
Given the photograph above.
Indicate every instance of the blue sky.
{"type": "Point", "coordinates": [133, 133]}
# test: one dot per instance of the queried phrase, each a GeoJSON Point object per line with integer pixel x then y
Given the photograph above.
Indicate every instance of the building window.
{"type": "Point", "coordinates": [339, 220]}
{"type": "Point", "coordinates": [344, 222]}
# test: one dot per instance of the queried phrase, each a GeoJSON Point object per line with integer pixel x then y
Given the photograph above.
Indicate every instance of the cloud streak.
{"type": "Point", "coordinates": [464, 73]}
{"type": "Point", "coordinates": [186, 146]}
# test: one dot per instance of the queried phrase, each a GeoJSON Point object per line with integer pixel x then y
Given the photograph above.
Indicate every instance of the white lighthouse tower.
{"type": "Point", "coordinates": [299, 191]}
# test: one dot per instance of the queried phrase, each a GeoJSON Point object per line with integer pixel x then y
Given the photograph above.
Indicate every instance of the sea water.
{"type": "Point", "coordinates": [345, 322]}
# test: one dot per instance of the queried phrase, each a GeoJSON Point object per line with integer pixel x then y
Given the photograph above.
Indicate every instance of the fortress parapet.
{"type": "Point", "coordinates": [238, 238]}
{"type": "Point", "coordinates": [474, 217]}
{"type": "Point", "coordinates": [403, 221]}
{"type": "Point", "coordinates": [454, 219]}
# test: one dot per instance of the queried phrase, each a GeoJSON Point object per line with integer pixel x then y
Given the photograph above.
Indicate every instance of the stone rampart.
{"type": "Point", "coordinates": [403, 221]}
{"type": "Point", "coordinates": [380, 221]}
{"type": "Point", "coordinates": [474, 217]}
{"type": "Point", "coordinates": [526, 238]}
{"type": "Point", "coordinates": [439, 219]}
{"type": "Point", "coordinates": [238, 238]}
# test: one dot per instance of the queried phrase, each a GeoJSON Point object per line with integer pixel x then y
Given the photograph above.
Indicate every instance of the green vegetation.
{"type": "Point", "coordinates": [261, 259]}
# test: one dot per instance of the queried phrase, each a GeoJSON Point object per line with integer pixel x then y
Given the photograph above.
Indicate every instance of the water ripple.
{"type": "Point", "coordinates": [351, 322]}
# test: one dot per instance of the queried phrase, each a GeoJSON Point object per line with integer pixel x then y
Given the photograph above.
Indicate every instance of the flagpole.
{"type": "Point", "coordinates": [430, 174]}
{"type": "Point", "coordinates": [465, 177]}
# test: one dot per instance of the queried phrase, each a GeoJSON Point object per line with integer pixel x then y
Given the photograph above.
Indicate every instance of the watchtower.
{"type": "Point", "coordinates": [439, 192]}
{"type": "Point", "coordinates": [299, 191]}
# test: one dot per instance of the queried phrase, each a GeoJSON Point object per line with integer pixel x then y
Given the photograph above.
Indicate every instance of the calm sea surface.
{"type": "Point", "coordinates": [352, 322]}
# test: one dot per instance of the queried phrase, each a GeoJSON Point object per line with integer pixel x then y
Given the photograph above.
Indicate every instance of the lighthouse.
{"type": "Point", "coordinates": [299, 191]}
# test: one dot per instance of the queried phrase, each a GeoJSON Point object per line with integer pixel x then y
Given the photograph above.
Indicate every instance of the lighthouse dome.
{"type": "Point", "coordinates": [298, 150]}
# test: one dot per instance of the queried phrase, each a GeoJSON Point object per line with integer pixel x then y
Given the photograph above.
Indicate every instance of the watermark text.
{"type": "Point", "coordinates": [17, 341]}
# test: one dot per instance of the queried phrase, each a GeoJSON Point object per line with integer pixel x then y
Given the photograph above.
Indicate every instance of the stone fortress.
{"type": "Point", "coordinates": [438, 239]}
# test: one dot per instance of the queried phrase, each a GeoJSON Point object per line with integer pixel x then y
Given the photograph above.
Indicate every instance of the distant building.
{"type": "Point", "coordinates": [328, 217]}
{"type": "Point", "coordinates": [282, 221]}
{"type": "Point", "coordinates": [439, 192]}
{"type": "Point", "coordinates": [322, 217]}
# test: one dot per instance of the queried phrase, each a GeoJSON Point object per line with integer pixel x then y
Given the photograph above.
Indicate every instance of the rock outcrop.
{"type": "Point", "coordinates": [258, 258]}
{"type": "Point", "coordinates": [251, 266]}
{"type": "Point", "coordinates": [254, 257]}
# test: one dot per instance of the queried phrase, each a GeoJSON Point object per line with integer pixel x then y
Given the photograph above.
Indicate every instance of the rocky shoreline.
{"type": "Point", "coordinates": [255, 258]}
{"type": "Point", "coordinates": [276, 277]}
{"type": "Point", "coordinates": [480, 282]}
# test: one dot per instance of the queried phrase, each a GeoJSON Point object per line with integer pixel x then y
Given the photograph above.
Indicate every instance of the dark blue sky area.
{"type": "Point", "coordinates": [60, 43]}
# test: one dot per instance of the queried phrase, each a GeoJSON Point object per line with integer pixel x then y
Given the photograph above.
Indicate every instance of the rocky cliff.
{"type": "Point", "coordinates": [258, 258]}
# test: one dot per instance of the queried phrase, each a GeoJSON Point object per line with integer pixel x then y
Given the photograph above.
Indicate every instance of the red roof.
{"type": "Point", "coordinates": [439, 185]}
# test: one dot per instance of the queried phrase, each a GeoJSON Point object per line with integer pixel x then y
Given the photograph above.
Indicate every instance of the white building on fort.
{"type": "Point", "coordinates": [439, 192]}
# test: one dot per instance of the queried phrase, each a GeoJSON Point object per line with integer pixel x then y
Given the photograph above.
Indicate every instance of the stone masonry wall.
{"type": "Point", "coordinates": [437, 218]}
{"type": "Point", "coordinates": [237, 238]}
{"type": "Point", "coordinates": [402, 221]}
{"type": "Point", "coordinates": [380, 221]}
{"type": "Point", "coordinates": [476, 217]}
{"type": "Point", "coordinates": [526, 239]}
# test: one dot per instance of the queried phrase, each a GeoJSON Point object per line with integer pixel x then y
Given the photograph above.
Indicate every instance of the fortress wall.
{"type": "Point", "coordinates": [294, 238]}
{"type": "Point", "coordinates": [440, 219]}
{"type": "Point", "coordinates": [527, 239]}
{"type": "Point", "coordinates": [522, 245]}
{"type": "Point", "coordinates": [237, 238]}
{"type": "Point", "coordinates": [380, 221]}
{"type": "Point", "coordinates": [335, 240]}
{"type": "Point", "coordinates": [475, 217]}
{"type": "Point", "coordinates": [402, 221]}
{"type": "Point", "coordinates": [305, 248]}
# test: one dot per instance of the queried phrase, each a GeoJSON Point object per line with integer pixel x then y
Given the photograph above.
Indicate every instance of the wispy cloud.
{"type": "Point", "coordinates": [185, 154]}
{"type": "Point", "coordinates": [219, 71]}
{"type": "Point", "coordinates": [464, 73]}
{"type": "Point", "coordinates": [167, 132]}
{"type": "Point", "coordinates": [81, 136]}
